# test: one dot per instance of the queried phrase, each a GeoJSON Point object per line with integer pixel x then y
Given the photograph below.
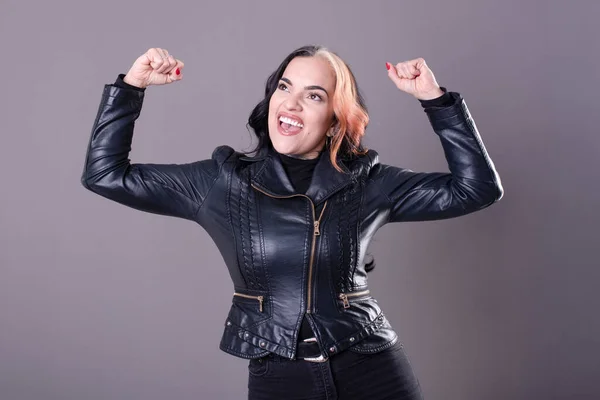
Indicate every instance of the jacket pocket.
{"type": "Point", "coordinates": [384, 337]}
{"type": "Point", "coordinates": [259, 298]}
{"type": "Point", "coordinates": [249, 307]}
{"type": "Point", "coordinates": [345, 299]}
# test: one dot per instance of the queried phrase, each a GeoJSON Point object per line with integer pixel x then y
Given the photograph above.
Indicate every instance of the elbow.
{"type": "Point", "coordinates": [499, 191]}
{"type": "Point", "coordinates": [84, 182]}
{"type": "Point", "coordinates": [479, 195]}
{"type": "Point", "coordinates": [90, 184]}
{"type": "Point", "coordinates": [496, 188]}
{"type": "Point", "coordinates": [490, 193]}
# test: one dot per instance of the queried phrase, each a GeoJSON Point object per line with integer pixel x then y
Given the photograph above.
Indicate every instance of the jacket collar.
{"type": "Point", "coordinates": [270, 177]}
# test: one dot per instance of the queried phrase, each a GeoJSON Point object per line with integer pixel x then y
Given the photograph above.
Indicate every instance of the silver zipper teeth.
{"type": "Point", "coordinates": [259, 298]}
{"type": "Point", "coordinates": [316, 232]}
{"type": "Point", "coordinates": [344, 296]}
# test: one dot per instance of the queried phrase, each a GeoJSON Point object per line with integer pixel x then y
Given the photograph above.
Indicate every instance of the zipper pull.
{"type": "Point", "coordinates": [260, 303]}
{"type": "Point", "coordinates": [344, 298]}
{"type": "Point", "coordinates": [317, 232]}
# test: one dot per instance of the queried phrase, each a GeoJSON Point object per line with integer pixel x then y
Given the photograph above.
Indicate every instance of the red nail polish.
{"type": "Point", "coordinates": [387, 65]}
{"type": "Point", "coordinates": [177, 71]}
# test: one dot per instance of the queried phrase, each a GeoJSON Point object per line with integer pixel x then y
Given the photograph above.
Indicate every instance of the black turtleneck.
{"type": "Point", "coordinates": [300, 171]}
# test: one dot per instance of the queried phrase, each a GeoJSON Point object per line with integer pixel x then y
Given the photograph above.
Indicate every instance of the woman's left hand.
{"type": "Point", "coordinates": [414, 77]}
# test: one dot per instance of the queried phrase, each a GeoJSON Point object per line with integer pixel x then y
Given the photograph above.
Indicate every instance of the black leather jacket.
{"type": "Point", "coordinates": [291, 254]}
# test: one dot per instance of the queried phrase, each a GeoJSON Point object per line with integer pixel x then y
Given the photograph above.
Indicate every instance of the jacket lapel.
{"type": "Point", "coordinates": [271, 176]}
{"type": "Point", "coordinates": [326, 180]}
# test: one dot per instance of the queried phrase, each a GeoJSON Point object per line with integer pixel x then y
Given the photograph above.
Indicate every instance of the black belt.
{"type": "Point", "coordinates": [308, 350]}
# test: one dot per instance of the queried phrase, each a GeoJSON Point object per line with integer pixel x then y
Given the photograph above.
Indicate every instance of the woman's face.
{"type": "Point", "coordinates": [303, 99]}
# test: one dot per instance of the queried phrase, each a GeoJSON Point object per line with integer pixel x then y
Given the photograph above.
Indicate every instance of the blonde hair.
{"type": "Point", "coordinates": [349, 110]}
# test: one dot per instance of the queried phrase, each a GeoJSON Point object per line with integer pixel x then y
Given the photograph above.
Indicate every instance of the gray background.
{"type": "Point", "coordinates": [99, 301]}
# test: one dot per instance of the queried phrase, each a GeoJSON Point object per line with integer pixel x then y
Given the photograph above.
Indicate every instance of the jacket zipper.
{"type": "Point", "coordinates": [259, 298]}
{"type": "Point", "coordinates": [344, 296]}
{"type": "Point", "coordinates": [316, 232]}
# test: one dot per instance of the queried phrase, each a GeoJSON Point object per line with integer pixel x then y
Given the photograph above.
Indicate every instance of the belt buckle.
{"type": "Point", "coordinates": [313, 359]}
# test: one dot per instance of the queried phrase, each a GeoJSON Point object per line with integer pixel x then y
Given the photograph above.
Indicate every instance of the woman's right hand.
{"type": "Point", "coordinates": [154, 67]}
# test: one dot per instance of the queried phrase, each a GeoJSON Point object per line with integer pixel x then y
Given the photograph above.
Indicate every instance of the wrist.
{"type": "Point", "coordinates": [133, 82]}
{"type": "Point", "coordinates": [434, 94]}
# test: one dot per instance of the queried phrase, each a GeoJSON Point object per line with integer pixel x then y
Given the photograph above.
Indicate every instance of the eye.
{"type": "Point", "coordinates": [281, 86]}
{"type": "Point", "coordinates": [316, 95]}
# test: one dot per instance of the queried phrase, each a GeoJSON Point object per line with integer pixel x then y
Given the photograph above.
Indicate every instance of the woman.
{"type": "Point", "coordinates": [293, 221]}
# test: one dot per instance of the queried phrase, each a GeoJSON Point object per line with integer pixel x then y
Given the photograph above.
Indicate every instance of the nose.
{"type": "Point", "coordinates": [291, 103]}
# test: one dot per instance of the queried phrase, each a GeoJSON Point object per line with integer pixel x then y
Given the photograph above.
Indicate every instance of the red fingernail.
{"type": "Point", "coordinates": [387, 65]}
{"type": "Point", "coordinates": [177, 71]}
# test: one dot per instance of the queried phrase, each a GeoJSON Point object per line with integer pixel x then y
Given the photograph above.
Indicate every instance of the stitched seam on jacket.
{"type": "Point", "coordinates": [348, 267]}
{"type": "Point", "coordinates": [263, 252]}
{"type": "Point", "coordinates": [359, 223]}
{"type": "Point", "coordinates": [404, 195]}
{"type": "Point", "coordinates": [341, 282]}
{"type": "Point", "coordinates": [251, 192]}
{"type": "Point", "coordinates": [247, 328]}
{"type": "Point", "coordinates": [377, 185]}
{"type": "Point", "coordinates": [228, 210]}
{"type": "Point", "coordinates": [364, 329]}
{"type": "Point", "coordinates": [148, 179]}
{"type": "Point", "coordinates": [332, 282]}
{"type": "Point", "coordinates": [244, 355]}
{"type": "Point", "coordinates": [87, 156]}
{"type": "Point", "coordinates": [213, 183]}
{"type": "Point", "coordinates": [476, 135]}
{"type": "Point", "coordinates": [240, 219]}
{"type": "Point", "coordinates": [374, 349]}
{"type": "Point", "coordinates": [355, 201]}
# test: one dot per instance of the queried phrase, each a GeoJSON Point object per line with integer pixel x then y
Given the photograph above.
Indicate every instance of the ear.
{"type": "Point", "coordinates": [332, 130]}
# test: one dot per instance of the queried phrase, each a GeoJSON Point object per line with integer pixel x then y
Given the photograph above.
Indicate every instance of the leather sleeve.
{"type": "Point", "coordinates": [175, 190]}
{"type": "Point", "coordinates": [472, 184]}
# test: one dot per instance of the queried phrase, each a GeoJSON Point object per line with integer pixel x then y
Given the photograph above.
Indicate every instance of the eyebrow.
{"type": "Point", "coordinates": [312, 87]}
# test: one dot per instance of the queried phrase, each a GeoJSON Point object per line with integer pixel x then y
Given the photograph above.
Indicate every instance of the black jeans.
{"type": "Point", "coordinates": [347, 375]}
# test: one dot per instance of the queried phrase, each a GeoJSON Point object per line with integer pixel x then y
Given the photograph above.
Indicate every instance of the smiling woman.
{"type": "Point", "coordinates": [311, 113]}
{"type": "Point", "coordinates": [294, 220]}
{"type": "Point", "coordinates": [312, 103]}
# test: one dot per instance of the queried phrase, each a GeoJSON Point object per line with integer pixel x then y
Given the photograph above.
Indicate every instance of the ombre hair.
{"type": "Point", "coordinates": [350, 112]}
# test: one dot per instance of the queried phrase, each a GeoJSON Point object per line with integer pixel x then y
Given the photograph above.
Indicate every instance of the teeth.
{"type": "Point", "coordinates": [290, 121]}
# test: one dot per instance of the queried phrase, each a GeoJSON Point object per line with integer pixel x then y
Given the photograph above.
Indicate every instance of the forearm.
{"type": "Point", "coordinates": [112, 133]}
{"type": "Point", "coordinates": [463, 147]}
{"type": "Point", "coordinates": [472, 184]}
{"type": "Point", "coordinates": [168, 189]}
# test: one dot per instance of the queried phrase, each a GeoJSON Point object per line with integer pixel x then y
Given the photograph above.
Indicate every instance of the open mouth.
{"type": "Point", "coordinates": [289, 126]}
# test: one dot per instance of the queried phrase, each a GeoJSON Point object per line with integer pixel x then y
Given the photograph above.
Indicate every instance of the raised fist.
{"type": "Point", "coordinates": [154, 67]}
{"type": "Point", "coordinates": [414, 77]}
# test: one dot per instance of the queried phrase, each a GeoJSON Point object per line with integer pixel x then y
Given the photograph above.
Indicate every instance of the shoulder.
{"type": "Point", "coordinates": [226, 157]}
{"type": "Point", "coordinates": [363, 164]}
{"type": "Point", "coordinates": [370, 167]}
{"type": "Point", "coordinates": [222, 153]}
